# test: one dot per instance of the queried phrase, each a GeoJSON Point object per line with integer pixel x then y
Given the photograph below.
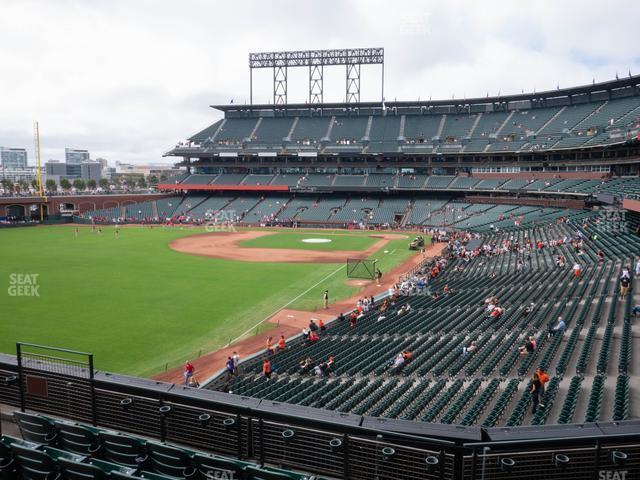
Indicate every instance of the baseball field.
{"type": "Point", "coordinates": [153, 297]}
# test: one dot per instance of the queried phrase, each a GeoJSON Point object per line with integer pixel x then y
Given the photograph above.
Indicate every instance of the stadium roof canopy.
{"type": "Point", "coordinates": [534, 98]}
{"type": "Point", "coordinates": [294, 106]}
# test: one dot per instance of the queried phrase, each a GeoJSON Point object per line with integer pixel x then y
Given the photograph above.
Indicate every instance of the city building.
{"type": "Point", "coordinates": [13, 158]}
{"type": "Point", "coordinates": [73, 159]}
{"type": "Point", "coordinates": [90, 170]}
{"type": "Point", "coordinates": [146, 169]}
{"type": "Point", "coordinates": [18, 174]}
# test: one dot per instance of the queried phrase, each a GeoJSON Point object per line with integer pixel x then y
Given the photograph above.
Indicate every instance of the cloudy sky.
{"type": "Point", "coordinates": [126, 79]}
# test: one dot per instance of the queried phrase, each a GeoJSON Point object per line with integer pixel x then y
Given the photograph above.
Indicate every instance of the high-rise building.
{"type": "Point", "coordinates": [13, 158]}
{"type": "Point", "coordinates": [91, 170]}
{"type": "Point", "coordinates": [73, 159]}
{"type": "Point", "coordinates": [54, 170]}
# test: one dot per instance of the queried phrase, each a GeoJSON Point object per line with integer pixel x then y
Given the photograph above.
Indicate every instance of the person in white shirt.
{"type": "Point", "coordinates": [399, 360]}
{"type": "Point", "coordinates": [236, 360]}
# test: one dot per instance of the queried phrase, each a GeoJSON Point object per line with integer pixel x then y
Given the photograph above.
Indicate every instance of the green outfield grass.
{"type": "Point", "coordinates": [140, 306]}
{"type": "Point", "coordinates": [339, 241]}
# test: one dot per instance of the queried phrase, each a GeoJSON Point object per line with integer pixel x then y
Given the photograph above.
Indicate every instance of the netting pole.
{"type": "Point", "coordinates": [20, 376]}
{"type": "Point", "coordinates": [92, 386]}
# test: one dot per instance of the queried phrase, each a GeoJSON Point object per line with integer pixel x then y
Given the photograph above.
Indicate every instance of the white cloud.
{"type": "Point", "coordinates": [126, 79]}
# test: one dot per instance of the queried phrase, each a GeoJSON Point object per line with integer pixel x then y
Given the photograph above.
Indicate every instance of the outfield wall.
{"type": "Point", "coordinates": [368, 447]}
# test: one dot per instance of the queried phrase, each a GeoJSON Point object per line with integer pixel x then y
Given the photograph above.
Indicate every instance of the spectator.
{"type": "Point", "coordinates": [330, 364]}
{"type": "Point", "coordinates": [398, 362]}
{"type": "Point", "coordinates": [193, 383]}
{"type": "Point", "coordinates": [282, 343]}
{"type": "Point", "coordinates": [306, 365]}
{"type": "Point", "coordinates": [188, 372]}
{"type": "Point", "coordinates": [559, 327]}
{"type": "Point", "coordinates": [471, 348]}
{"type": "Point", "coordinates": [638, 268]}
{"type": "Point", "coordinates": [313, 326]}
{"type": "Point", "coordinates": [625, 273]}
{"type": "Point", "coordinates": [528, 347]}
{"type": "Point", "coordinates": [577, 270]}
{"type": "Point", "coordinates": [313, 337]}
{"type": "Point", "coordinates": [266, 368]}
{"type": "Point", "coordinates": [321, 325]}
{"type": "Point", "coordinates": [535, 392]}
{"type": "Point", "coordinates": [319, 370]}
{"type": "Point", "coordinates": [270, 348]}
{"type": "Point", "coordinates": [625, 282]}
{"type": "Point", "coordinates": [230, 367]}
{"type": "Point", "coordinates": [496, 313]}
{"type": "Point", "coordinates": [305, 333]}
{"type": "Point", "coordinates": [544, 378]}
{"type": "Point", "coordinates": [236, 360]}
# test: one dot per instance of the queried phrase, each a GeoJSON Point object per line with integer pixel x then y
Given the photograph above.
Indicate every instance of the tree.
{"type": "Point", "coordinates": [142, 183]}
{"type": "Point", "coordinates": [79, 184]}
{"type": "Point", "coordinates": [34, 184]}
{"type": "Point", "coordinates": [163, 177]}
{"type": "Point", "coordinates": [7, 184]}
{"type": "Point", "coordinates": [91, 184]}
{"type": "Point", "coordinates": [130, 182]}
{"type": "Point", "coordinates": [104, 184]}
{"type": "Point", "coordinates": [24, 185]}
{"type": "Point", "coordinates": [51, 185]}
{"type": "Point", "coordinates": [153, 180]}
{"type": "Point", "coordinates": [65, 184]}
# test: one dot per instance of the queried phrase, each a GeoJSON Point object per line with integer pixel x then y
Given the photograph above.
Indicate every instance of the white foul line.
{"type": "Point", "coordinates": [287, 304]}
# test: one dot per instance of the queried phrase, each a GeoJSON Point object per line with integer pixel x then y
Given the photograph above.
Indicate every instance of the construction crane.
{"type": "Point", "coordinates": [39, 186]}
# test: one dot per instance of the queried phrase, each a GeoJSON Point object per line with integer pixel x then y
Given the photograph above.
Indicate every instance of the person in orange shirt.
{"type": "Point", "coordinates": [321, 325]}
{"type": "Point", "coordinates": [544, 378]}
{"type": "Point", "coordinates": [266, 368]}
{"type": "Point", "coordinates": [270, 344]}
{"type": "Point", "coordinates": [577, 270]}
{"type": "Point", "coordinates": [281, 343]}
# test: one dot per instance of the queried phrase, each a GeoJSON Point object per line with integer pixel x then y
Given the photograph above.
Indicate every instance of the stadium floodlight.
{"type": "Point", "coordinates": [315, 61]}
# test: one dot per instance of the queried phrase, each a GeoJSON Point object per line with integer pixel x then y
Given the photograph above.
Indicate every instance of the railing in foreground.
{"type": "Point", "coordinates": [327, 443]}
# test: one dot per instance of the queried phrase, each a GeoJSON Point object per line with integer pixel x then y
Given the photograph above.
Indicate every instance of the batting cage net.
{"type": "Point", "coordinates": [357, 268]}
